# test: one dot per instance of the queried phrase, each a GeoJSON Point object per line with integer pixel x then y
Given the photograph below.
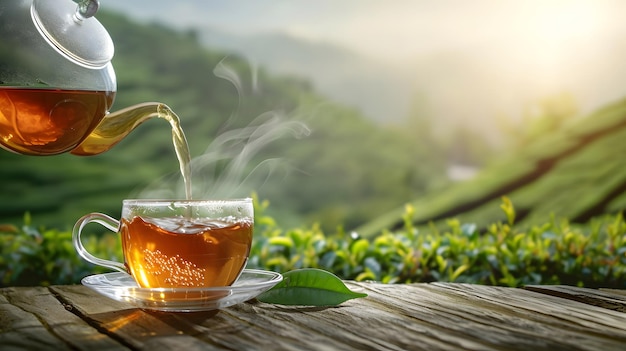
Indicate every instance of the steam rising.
{"type": "Point", "coordinates": [226, 168]}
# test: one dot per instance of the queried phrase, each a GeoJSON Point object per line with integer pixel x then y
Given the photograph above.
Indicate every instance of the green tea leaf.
{"type": "Point", "coordinates": [281, 241]}
{"type": "Point", "coordinates": [309, 287]}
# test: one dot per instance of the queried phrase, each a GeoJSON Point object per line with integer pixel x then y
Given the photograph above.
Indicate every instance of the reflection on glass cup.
{"type": "Point", "coordinates": [178, 243]}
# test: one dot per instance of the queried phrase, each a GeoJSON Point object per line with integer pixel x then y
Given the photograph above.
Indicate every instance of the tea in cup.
{"type": "Point", "coordinates": [178, 243]}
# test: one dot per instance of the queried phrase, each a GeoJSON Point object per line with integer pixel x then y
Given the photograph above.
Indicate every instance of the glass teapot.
{"type": "Point", "coordinates": [57, 83]}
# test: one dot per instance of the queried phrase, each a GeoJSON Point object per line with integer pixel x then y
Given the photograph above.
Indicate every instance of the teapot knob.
{"type": "Point", "coordinates": [86, 9]}
{"type": "Point", "coordinates": [71, 28]}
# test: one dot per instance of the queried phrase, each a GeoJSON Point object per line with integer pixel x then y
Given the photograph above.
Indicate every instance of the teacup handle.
{"type": "Point", "coordinates": [111, 224]}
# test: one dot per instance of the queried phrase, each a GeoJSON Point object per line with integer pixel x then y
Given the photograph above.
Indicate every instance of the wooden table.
{"type": "Point", "coordinates": [393, 317]}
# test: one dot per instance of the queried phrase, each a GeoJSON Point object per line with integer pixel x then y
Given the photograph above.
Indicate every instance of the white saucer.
{"type": "Point", "coordinates": [122, 287]}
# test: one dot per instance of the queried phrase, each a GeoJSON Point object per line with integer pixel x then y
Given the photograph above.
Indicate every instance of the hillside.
{"type": "Point", "coordinates": [429, 82]}
{"type": "Point", "coordinates": [348, 170]}
{"type": "Point", "coordinates": [577, 172]}
{"type": "Point", "coordinates": [380, 91]}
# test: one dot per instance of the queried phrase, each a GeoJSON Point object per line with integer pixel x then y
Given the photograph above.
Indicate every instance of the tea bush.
{"type": "Point", "coordinates": [42, 256]}
{"type": "Point", "coordinates": [556, 252]}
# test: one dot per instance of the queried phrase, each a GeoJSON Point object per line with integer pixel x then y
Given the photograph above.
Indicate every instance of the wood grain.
{"type": "Point", "coordinates": [438, 316]}
{"type": "Point", "coordinates": [21, 329]}
{"type": "Point", "coordinates": [605, 298]}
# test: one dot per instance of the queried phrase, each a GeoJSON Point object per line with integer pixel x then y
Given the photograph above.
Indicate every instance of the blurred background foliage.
{"type": "Point", "coordinates": [351, 171]}
{"type": "Point", "coordinates": [347, 171]}
{"type": "Point", "coordinates": [346, 186]}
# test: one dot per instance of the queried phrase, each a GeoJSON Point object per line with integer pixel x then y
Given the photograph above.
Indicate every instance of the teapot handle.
{"type": "Point", "coordinates": [106, 221]}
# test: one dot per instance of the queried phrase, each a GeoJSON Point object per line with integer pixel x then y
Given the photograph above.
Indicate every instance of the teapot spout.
{"type": "Point", "coordinates": [117, 125]}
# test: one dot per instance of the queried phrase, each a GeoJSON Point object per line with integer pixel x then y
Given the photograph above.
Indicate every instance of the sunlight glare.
{"type": "Point", "coordinates": [560, 29]}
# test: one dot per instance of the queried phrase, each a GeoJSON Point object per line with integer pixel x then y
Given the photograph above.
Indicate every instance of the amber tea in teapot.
{"type": "Point", "coordinates": [57, 82]}
{"type": "Point", "coordinates": [49, 121]}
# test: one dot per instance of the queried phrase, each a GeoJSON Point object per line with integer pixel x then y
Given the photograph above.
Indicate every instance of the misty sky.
{"type": "Point", "coordinates": [510, 54]}
{"type": "Point", "coordinates": [401, 29]}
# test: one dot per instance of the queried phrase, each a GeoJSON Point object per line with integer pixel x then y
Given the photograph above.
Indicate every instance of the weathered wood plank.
{"type": "Point", "coordinates": [70, 328]}
{"type": "Point", "coordinates": [298, 328]}
{"type": "Point", "coordinates": [614, 291]}
{"type": "Point", "coordinates": [21, 330]}
{"type": "Point", "coordinates": [570, 313]}
{"type": "Point", "coordinates": [609, 299]}
{"type": "Point", "coordinates": [393, 317]}
{"type": "Point", "coordinates": [504, 318]}
{"type": "Point", "coordinates": [130, 326]}
{"type": "Point", "coordinates": [242, 327]}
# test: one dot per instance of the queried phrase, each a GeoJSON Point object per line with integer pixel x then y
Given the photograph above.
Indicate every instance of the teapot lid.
{"type": "Point", "coordinates": [71, 30]}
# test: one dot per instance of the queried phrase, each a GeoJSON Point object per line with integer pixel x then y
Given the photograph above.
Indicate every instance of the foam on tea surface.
{"type": "Point", "coordinates": [182, 225]}
{"type": "Point", "coordinates": [185, 252]}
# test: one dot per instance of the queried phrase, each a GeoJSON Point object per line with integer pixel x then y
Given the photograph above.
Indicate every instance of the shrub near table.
{"type": "Point", "coordinates": [556, 252]}
{"type": "Point", "coordinates": [45, 256]}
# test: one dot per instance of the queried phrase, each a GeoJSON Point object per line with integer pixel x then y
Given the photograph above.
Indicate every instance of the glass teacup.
{"type": "Point", "coordinates": [178, 243]}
